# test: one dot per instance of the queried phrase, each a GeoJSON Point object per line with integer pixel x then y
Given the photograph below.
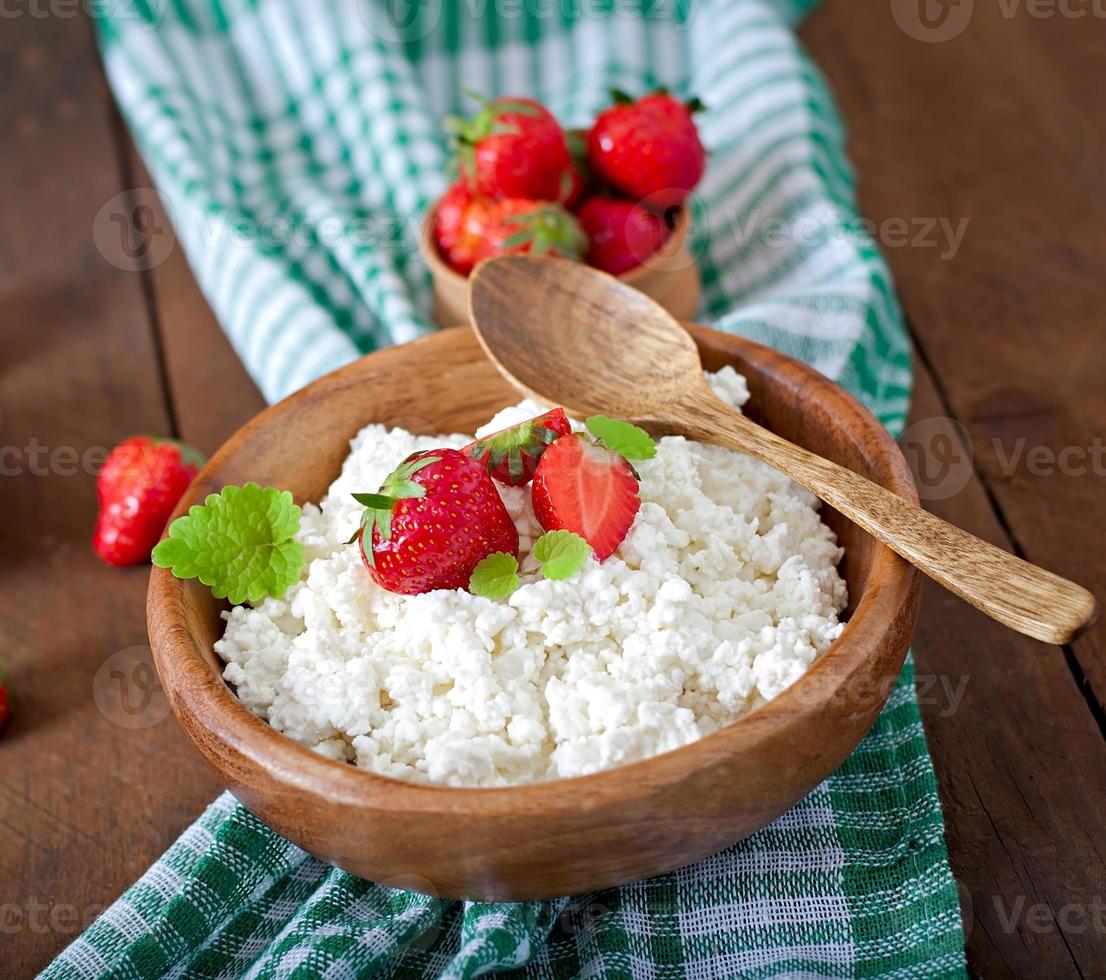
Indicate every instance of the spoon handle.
{"type": "Point", "coordinates": [1020, 595]}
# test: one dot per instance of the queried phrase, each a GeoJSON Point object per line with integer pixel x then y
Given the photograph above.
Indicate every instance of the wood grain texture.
{"type": "Point", "coordinates": [81, 814]}
{"type": "Point", "coordinates": [574, 336]}
{"type": "Point", "coordinates": [994, 127]}
{"type": "Point", "coordinates": [670, 276]}
{"type": "Point", "coordinates": [565, 836]}
{"type": "Point", "coordinates": [1021, 767]}
{"type": "Point", "coordinates": [207, 388]}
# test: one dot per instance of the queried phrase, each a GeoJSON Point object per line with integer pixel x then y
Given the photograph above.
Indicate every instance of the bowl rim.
{"type": "Point", "coordinates": [197, 692]}
{"type": "Point", "coordinates": [441, 270]}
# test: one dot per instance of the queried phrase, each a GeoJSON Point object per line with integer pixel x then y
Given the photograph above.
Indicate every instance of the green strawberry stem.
{"type": "Point", "coordinates": [378, 506]}
{"type": "Point", "coordinates": [466, 133]}
{"type": "Point", "coordinates": [188, 454]}
{"type": "Point", "coordinates": [548, 230]}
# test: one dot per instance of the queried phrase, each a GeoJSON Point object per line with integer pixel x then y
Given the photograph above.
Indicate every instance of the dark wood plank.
{"type": "Point", "coordinates": [1019, 758]}
{"type": "Point", "coordinates": [210, 390]}
{"type": "Point", "coordinates": [86, 803]}
{"type": "Point", "coordinates": [996, 127]}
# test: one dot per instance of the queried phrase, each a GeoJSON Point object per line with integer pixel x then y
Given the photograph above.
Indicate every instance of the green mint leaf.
{"type": "Point", "coordinates": [239, 542]}
{"type": "Point", "coordinates": [495, 577]}
{"type": "Point", "coordinates": [623, 437]}
{"type": "Point", "coordinates": [561, 553]}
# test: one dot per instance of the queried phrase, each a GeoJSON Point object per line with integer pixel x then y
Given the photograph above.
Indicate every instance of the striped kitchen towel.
{"type": "Point", "coordinates": [297, 146]}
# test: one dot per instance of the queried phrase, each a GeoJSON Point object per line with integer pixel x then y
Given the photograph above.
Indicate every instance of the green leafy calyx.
{"type": "Point", "coordinates": [509, 446]}
{"type": "Point", "coordinates": [549, 230]}
{"type": "Point", "coordinates": [624, 438]}
{"type": "Point", "coordinates": [239, 542]}
{"type": "Point", "coordinates": [466, 133]}
{"type": "Point", "coordinates": [379, 506]}
{"type": "Point", "coordinates": [495, 577]}
{"type": "Point", "coordinates": [561, 554]}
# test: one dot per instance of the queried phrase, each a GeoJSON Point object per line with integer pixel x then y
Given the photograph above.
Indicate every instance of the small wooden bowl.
{"type": "Point", "coordinates": [566, 836]}
{"type": "Point", "coordinates": [670, 276]}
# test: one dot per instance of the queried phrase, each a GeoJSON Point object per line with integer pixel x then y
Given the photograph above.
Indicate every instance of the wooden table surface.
{"type": "Point", "coordinates": [999, 127]}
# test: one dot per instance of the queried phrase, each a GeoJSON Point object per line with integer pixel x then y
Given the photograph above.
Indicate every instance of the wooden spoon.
{"type": "Point", "coordinates": [572, 336]}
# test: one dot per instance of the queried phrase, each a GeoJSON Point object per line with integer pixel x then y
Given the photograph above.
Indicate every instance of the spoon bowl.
{"type": "Point", "coordinates": [584, 320]}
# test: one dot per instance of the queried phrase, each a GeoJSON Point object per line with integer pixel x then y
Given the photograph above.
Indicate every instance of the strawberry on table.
{"type": "Point", "coordinates": [648, 150]}
{"type": "Point", "coordinates": [511, 455]}
{"type": "Point", "coordinates": [512, 147]}
{"type": "Point", "coordinates": [621, 235]}
{"type": "Point", "coordinates": [537, 227]}
{"type": "Point", "coordinates": [5, 700]}
{"type": "Point", "coordinates": [437, 516]}
{"type": "Point", "coordinates": [139, 486]}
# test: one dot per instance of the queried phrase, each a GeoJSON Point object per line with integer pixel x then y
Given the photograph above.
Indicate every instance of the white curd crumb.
{"type": "Point", "coordinates": [723, 593]}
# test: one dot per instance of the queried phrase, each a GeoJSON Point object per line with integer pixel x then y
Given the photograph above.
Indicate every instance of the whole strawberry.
{"type": "Point", "coordinates": [459, 225]}
{"type": "Point", "coordinates": [5, 701]}
{"type": "Point", "coordinates": [513, 147]}
{"type": "Point", "coordinates": [139, 486]}
{"type": "Point", "coordinates": [511, 455]}
{"type": "Point", "coordinates": [648, 150]}
{"type": "Point", "coordinates": [621, 235]}
{"type": "Point", "coordinates": [537, 227]}
{"type": "Point", "coordinates": [437, 516]}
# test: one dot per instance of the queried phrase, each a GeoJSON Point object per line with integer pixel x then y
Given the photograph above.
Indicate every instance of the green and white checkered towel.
{"type": "Point", "coordinates": [297, 146]}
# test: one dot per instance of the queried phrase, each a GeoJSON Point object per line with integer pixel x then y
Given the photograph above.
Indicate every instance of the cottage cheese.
{"type": "Point", "coordinates": [723, 593]}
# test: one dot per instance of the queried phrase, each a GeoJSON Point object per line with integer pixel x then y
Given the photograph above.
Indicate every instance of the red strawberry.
{"type": "Point", "coordinates": [579, 182]}
{"type": "Point", "coordinates": [449, 220]}
{"type": "Point", "coordinates": [537, 227]}
{"type": "Point", "coordinates": [5, 700]}
{"type": "Point", "coordinates": [573, 189]}
{"type": "Point", "coordinates": [622, 235]}
{"type": "Point", "coordinates": [647, 149]}
{"type": "Point", "coordinates": [586, 488]}
{"type": "Point", "coordinates": [512, 147]}
{"type": "Point", "coordinates": [139, 486]}
{"type": "Point", "coordinates": [435, 518]}
{"type": "Point", "coordinates": [459, 225]}
{"type": "Point", "coordinates": [511, 455]}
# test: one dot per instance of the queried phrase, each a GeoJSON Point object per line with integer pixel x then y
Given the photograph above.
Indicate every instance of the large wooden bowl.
{"type": "Point", "coordinates": [566, 836]}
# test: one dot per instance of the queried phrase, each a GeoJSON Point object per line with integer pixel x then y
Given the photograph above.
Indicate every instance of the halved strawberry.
{"type": "Point", "coordinates": [437, 516]}
{"type": "Point", "coordinates": [511, 455]}
{"type": "Point", "coordinates": [584, 487]}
